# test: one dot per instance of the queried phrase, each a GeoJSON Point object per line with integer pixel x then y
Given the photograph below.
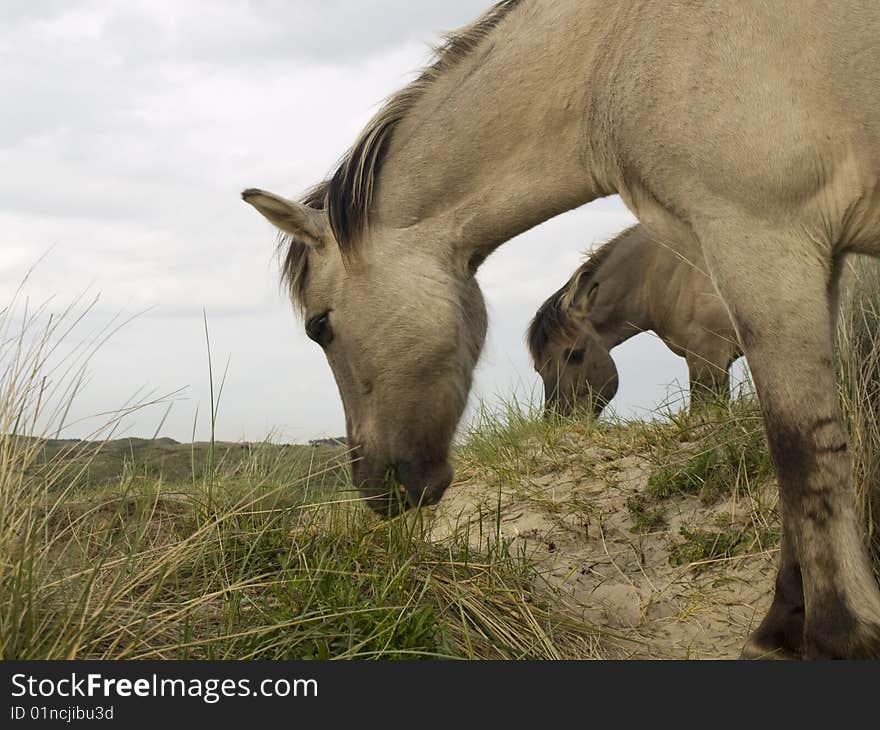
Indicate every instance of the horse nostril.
{"type": "Point", "coordinates": [366, 387]}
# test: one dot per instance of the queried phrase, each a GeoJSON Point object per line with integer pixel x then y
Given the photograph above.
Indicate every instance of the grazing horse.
{"type": "Point", "coordinates": [632, 284]}
{"type": "Point", "coordinates": [748, 130]}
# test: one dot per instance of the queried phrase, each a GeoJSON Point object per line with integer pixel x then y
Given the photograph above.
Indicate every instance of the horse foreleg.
{"type": "Point", "coordinates": [781, 633]}
{"type": "Point", "coordinates": [778, 290]}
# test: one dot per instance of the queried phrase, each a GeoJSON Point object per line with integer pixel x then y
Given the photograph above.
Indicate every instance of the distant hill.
{"type": "Point", "coordinates": [104, 463]}
{"type": "Point", "coordinates": [338, 441]}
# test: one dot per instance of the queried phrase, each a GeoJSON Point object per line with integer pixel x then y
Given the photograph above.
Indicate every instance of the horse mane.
{"type": "Point", "coordinates": [349, 191]}
{"type": "Point", "coordinates": [552, 320]}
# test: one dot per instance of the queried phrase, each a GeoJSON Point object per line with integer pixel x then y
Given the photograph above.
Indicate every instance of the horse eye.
{"type": "Point", "coordinates": [575, 356]}
{"type": "Point", "coordinates": [318, 329]}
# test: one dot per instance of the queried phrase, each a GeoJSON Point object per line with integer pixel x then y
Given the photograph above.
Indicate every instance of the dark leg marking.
{"type": "Point", "coordinates": [835, 449]}
{"type": "Point", "coordinates": [829, 617]}
{"type": "Point", "coordinates": [781, 633]}
{"type": "Point", "coordinates": [796, 455]}
{"type": "Point", "coordinates": [822, 423]}
{"type": "Point", "coordinates": [793, 453]}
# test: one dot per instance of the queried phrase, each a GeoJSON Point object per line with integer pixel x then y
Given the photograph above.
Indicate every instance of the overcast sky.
{"type": "Point", "coordinates": [128, 131]}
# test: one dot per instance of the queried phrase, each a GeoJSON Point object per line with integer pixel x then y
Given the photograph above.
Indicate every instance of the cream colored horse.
{"type": "Point", "coordinates": [749, 130]}
{"type": "Point", "coordinates": [632, 284]}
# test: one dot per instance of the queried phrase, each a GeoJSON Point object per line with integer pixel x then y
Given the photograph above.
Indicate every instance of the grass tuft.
{"type": "Point", "coordinates": [727, 449]}
{"type": "Point", "coordinates": [858, 367]}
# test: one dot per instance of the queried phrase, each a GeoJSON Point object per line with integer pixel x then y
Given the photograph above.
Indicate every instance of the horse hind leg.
{"type": "Point", "coordinates": [709, 382]}
{"type": "Point", "coordinates": [778, 292]}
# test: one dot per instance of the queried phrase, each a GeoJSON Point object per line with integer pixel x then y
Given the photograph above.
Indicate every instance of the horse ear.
{"type": "Point", "coordinates": [306, 224]}
{"type": "Point", "coordinates": [575, 303]}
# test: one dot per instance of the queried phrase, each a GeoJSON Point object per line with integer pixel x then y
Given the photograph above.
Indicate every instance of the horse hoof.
{"type": "Point", "coordinates": [755, 650]}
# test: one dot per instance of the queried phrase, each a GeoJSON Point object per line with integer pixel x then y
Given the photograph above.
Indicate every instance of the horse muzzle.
{"type": "Point", "coordinates": [392, 489]}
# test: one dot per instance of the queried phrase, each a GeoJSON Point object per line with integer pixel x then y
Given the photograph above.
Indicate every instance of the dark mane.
{"type": "Point", "coordinates": [349, 191]}
{"type": "Point", "coordinates": [551, 319]}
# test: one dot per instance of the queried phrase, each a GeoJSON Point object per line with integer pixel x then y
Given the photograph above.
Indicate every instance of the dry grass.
{"type": "Point", "coordinates": [858, 365]}
{"type": "Point", "coordinates": [278, 569]}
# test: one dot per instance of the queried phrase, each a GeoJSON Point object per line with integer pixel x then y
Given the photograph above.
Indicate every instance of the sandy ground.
{"type": "Point", "coordinates": [575, 525]}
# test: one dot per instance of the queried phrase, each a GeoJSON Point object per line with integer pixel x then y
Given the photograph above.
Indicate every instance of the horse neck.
{"type": "Point", "coordinates": [496, 144]}
{"type": "Point", "coordinates": [650, 279]}
{"type": "Point", "coordinates": [624, 308]}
